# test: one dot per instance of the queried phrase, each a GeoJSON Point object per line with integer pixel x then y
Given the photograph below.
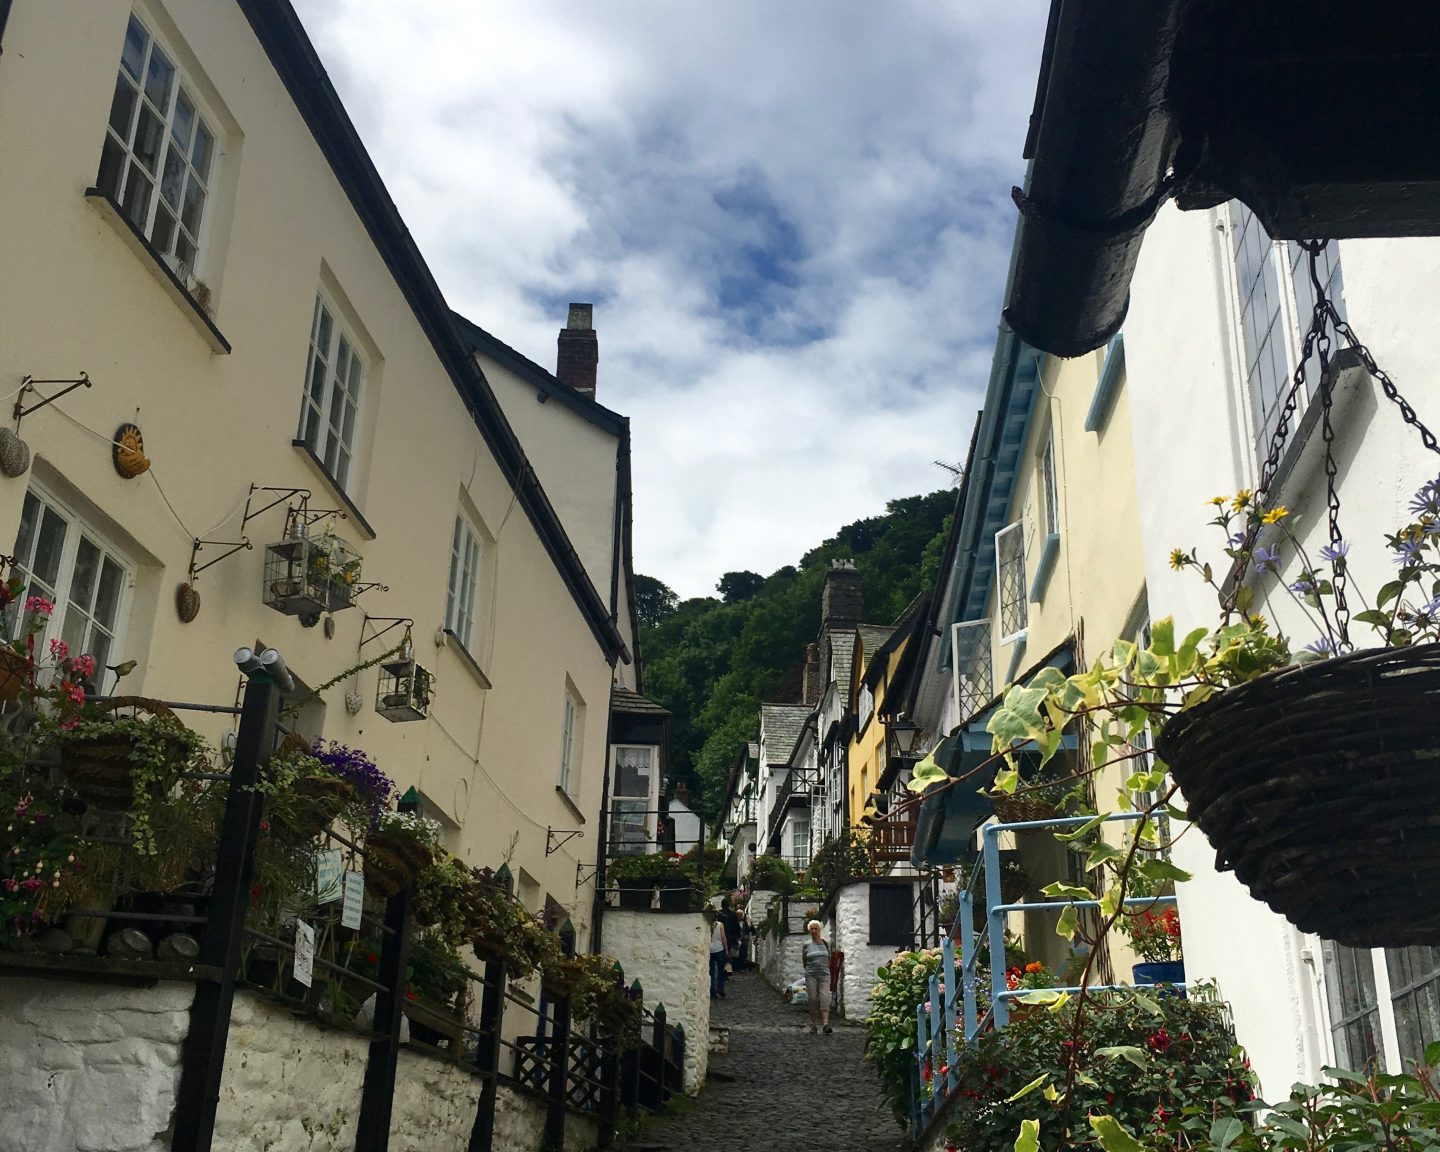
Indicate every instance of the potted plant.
{"type": "Point", "coordinates": [1155, 936]}
{"type": "Point", "coordinates": [397, 850]}
{"type": "Point", "coordinates": [771, 874]}
{"type": "Point", "coordinates": [637, 876]}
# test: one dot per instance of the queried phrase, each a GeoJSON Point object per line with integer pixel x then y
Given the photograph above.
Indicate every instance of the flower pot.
{"type": "Point", "coordinates": [325, 796]}
{"type": "Point", "coordinates": [14, 672]}
{"type": "Point", "coordinates": [635, 895]}
{"type": "Point", "coordinates": [99, 768]}
{"type": "Point", "coordinates": [1316, 786]}
{"type": "Point", "coordinates": [1161, 972]}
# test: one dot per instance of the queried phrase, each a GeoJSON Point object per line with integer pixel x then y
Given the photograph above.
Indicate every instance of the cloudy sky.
{"type": "Point", "coordinates": [792, 216]}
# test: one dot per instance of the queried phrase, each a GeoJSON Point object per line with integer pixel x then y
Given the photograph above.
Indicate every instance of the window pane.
{"type": "Point", "coordinates": [132, 55]}
{"type": "Point", "coordinates": [25, 539]}
{"type": "Point", "coordinates": [452, 587]}
{"type": "Point", "coordinates": [100, 647]}
{"type": "Point", "coordinates": [87, 573]}
{"type": "Point", "coordinates": [204, 147]}
{"type": "Point", "coordinates": [73, 630]}
{"type": "Point", "coordinates": [107, 601]}
{"type": "Point", "coordinates": [137, 196]}
{"type": "Point", "coordinates": [174, 178]}
{"type": "Point", "coordinates": [49, 547]}
{"type": "Point", "coordinates": [149, 132]}
{"type": "Point", "coordinates": [185, 251]}
{"type": "Point", "coordinates": [122, 106]}
{"type": "Point", "coordinates": [194, 205]}
{"type": "Point", "coordinates": [163, 234]}
{"type": "Point", "coordinates": [159, 79]}
{"type": "Point", "coordinates": [184, 123]}
{"type": "Point", "coordinates": [112, 166]}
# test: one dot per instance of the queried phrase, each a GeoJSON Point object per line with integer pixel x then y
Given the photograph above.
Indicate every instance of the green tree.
{"type": "Point", "coordinates": [737, 586]}
{"type": "Point", "coordinates": [654, 601]}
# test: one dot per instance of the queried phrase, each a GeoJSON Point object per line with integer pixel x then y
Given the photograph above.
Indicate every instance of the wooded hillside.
{"type": "Point", "coordinates": [712, 660]}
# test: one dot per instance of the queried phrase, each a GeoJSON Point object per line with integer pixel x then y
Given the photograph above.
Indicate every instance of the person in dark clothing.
{"type": "Point", "coordinates": [728, 917]}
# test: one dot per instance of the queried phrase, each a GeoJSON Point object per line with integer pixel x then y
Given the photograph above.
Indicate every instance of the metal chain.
{"type": "Point", "coordinates": [1327, 402]}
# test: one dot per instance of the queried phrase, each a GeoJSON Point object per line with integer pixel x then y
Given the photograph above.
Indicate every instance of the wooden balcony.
{"type": "Point", "coordinates": [891, 840]}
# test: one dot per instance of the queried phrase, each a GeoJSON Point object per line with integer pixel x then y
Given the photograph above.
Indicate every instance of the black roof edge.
{"type": "Point", "coordinates": [532, 373]}
{"type": "Point", "coordinates": [278, 28]}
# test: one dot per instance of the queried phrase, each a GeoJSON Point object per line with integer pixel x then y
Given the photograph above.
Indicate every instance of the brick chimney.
{"type": "Point", "coordinates": [810, 681]}
{"type": "Point", "coordinates": [579, 350]}
{"type": "Point", "coordinates": [842, 601]}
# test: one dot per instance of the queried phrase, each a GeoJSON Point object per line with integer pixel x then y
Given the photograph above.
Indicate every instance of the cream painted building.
{"type": "Point", "coordinates": [194, 224]}
{"type": "Point", "coordinates": [1214, 333]}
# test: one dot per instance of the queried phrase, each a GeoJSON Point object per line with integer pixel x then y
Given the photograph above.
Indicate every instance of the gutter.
{"type": "Point", "coordinates": [1101, 140]}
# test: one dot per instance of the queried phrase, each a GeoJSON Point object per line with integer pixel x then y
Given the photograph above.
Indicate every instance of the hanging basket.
{"type": "Point", "coordinates": [393, 863]}
{"type": "Point", "coordinates": [99, 768]}
{"type": "Point", "coordinates": [323, 796]}
{"type": "Point", "coordinates": [1316, 785]}
{"type": "Point", "coordinates": [1019, 809]}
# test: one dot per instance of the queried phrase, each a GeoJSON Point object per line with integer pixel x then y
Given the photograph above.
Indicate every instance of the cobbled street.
{"type": "Point", "coordinates": [778, 1086]}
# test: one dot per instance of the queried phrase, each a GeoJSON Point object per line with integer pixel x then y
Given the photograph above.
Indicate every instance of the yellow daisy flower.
{"type": "Point", "coordinates": [1241, 500]}
{"type": "Point", "coordinates": [1275, 515]}
{"type": "Point", "coordinates": [1219, 501]}
{"type": "Point", "coordinates": [1178, 559]}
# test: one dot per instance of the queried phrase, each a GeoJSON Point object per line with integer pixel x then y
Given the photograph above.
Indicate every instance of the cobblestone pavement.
{"type": "Point", "coordinates": [779, 1087]}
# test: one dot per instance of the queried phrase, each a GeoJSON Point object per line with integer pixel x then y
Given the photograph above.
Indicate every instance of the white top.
{"type": "Point", "coordinates": [717, 937]}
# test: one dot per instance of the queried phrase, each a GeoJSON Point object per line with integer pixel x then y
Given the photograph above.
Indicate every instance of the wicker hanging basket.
{"type": "Point", "coordinates": [14, 672]}
{"type": "Point", "coordinates": [393, 863]}
{"type": "Point", "coordinates": [99, 768]}
{"type": "Point", "coordinates": [1022, 808]}
{"type": "Point", "coordinates": [1317, 785]}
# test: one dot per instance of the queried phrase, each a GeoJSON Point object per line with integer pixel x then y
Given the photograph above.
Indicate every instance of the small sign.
{"type": "Point", "coordinates": [329, 867]}
{"type": "Point", "coordinates": [304, 952]}
{"type": "Point", "coordinates": [354, 900]}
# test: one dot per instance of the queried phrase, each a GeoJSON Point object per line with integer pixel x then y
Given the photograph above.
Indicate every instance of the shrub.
{"type": "Point", "coordinates": [844, 857]}
{"type": "Point", "coordinates": [771, 874]}
{"type": "Point", "coordinates": [899, 987]}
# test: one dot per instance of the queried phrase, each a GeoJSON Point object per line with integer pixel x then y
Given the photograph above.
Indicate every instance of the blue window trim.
{"type": "Point", "coordinates": [1108, 386]}
{"type": "Point", "coordinates": [1015, 656]}
{"type": "Point", "coordinates": [1048, 552]}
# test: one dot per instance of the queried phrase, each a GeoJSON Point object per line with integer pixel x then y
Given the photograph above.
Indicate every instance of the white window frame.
{"type": "Point", "coordinates": [76, 529]}
{"type": "Point", "coordinates": [964, 684]}
{"type": "Point", "coordinates": [651, 800]}
{"type": "Point", "coordinates": [336, 447]}
{"type": "Point", "coordinates": [572, 739]}
{"type": "Point", "coordinates": [1049, 486]}
{"type": "Point", "coordinates": [174, 159]}
{"type": "Point", "coordinates": [1012, 535]}
{"type": "Point", "coordinates": [462, 589]}
{"type": "Point", "coordinates": [1286, 266]}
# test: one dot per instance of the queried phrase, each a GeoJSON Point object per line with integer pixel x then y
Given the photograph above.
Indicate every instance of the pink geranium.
{"type": "Point", "coordinates": [39, 605]}
{"type": "Point", "coordinates": [84, 665]}
{"type": "Point", "coordinates": [59, 649]}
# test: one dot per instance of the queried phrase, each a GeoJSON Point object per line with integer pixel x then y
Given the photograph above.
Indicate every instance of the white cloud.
{"type": "Point", "coordinates": [793, 219]}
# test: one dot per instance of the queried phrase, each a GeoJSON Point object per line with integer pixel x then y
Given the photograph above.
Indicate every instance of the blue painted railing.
{"type": "Point", "coordinates": [948, 1019]}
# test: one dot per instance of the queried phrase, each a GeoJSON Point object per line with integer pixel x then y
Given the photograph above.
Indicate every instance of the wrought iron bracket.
{"type": "Point", "coordinates": [557, 838]}
{"type": "Point", "coordinates": [27, 386]}
{"type": "Point", "coordinates": [390, 622]}
{"type": "Point", "coordinates": [301, 513]}
{"type": "Point", "coordinates": [585, 873]}
{"type": "Point", "coordinates": [356, 589]}
{"type": "Point", "coordinates": [230, 546]}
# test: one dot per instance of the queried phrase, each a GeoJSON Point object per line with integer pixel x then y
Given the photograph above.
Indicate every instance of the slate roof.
{"type": "Point", "coordinates": [874, 637]}
{"type": "Point", "coordinates": [842, 657]}
{"type": "Point", "coordinates": [781, 725]}
{"type": "Point", "coordinates": [633, 704]}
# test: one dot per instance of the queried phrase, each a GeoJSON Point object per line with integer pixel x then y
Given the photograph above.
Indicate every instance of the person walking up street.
{"type": "Point", "coordinates": [727, 917]}
{"type": "Point", "coordinates": [719, 956]}
{"type": "Point", "coordinates": [815, 957]}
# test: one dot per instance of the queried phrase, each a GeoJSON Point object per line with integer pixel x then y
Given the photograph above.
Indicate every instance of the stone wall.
{"type": "Point", "coordinates": [669, 953]}
{"type": "Point", "coordinates": [288, 1082]}
{"type": "Point", "coordinates": [778, 954]}
{"type": "Point", "coordinates": [89, 1066]}
{"type": "Point", "coordinates": [852, 936]}
{"type": "Point", "coordinates": [93, 1068]}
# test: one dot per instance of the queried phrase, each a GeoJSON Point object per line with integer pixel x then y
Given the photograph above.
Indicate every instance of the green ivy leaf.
{"type": "Point", "coordinates": [1030, 1087]}
{"type": "Point", "coordinates": [1062, 891]}
{"type": "Point", "coordinates": [1069, 923]}
{"type": "Point", "coordinates": [1224, 1132]}
{"type": "Point", "coordinates": [1007, 781]}
{"type": "Point", "coordinates": [1162, 637]}
{"type": "Point", "coordinates": [1158, 869]}
{"type": "Point", "coordinates": [1113, 1135]}
{"type": "Point", "coordinates": [1128, 1052]}
{"type": "Point", "coordinates": [1018, 717]}
{"type": "Point", "coordinates": [1029, 1138]}
{"type": "Point", "coordinates": [1082, 831]}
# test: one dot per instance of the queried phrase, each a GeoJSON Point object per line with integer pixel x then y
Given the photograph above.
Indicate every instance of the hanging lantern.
{"type": "Point", "coordinates": [405, 688]}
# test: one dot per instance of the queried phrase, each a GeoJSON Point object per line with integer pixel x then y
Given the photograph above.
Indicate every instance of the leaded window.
{"type": "Point", "coordinates": [1010, 577]}
{"type": "Point", "coordinates": [973, 664]}
{"type": "Point", "coordinates": [1354, 1006]}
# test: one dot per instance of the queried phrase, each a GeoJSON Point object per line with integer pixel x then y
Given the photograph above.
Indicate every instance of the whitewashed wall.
{"type": "Point", "coordinates": [851, 935]}
{"type": "Point", "coordinates": [1182, 355]}
{"type": "Point", "coordinates": [669, 953]}
{"type": "Point", "coordinates": [89, 1067]}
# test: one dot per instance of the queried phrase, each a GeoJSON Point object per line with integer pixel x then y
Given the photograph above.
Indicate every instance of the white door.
{"type": "Point", "coordinates": [634, 800]}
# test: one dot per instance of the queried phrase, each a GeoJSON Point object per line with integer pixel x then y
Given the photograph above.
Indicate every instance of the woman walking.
{"type": "Point", "coordinates": [815, 957]}
{"type": "Point", "coordinates": [719, 955]}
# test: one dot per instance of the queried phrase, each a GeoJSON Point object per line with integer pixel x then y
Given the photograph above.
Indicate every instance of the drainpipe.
{"type": "Point", "coordinates": [1101, 140]}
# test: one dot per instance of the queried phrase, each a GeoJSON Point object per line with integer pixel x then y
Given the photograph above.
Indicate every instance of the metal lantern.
{"type": "Point", "coordinates": [405, 688]}
{"type": "Point", "coordinates": [305, 577]}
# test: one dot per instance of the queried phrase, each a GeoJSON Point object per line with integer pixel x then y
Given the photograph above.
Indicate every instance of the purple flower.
{"type": "Point", "coordinates": [1266, 559]}
{"type": "Point", "coordinates": [355, 766]}
{"type": "Point", "coordinates": [1333, 552]}
{"type": "Point", "coordinates": [1321, 647]}
{"type": "Point", "coordinates": [1237, 540]}
{"type": "Point", "coordinates": [1409, 550]}
{"type": "Point", "coordinates": [1427, 501]}
{"type": "Point", "coordinates": [1305, 585]}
